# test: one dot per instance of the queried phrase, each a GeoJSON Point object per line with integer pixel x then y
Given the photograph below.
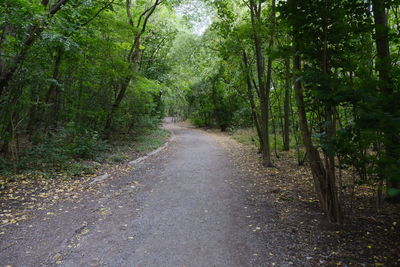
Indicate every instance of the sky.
{"type": "Point", "coordinates": [198, 13]}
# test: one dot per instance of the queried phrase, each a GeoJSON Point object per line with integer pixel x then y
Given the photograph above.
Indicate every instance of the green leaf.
{"type": "Point", "coordinates": [393, 192]}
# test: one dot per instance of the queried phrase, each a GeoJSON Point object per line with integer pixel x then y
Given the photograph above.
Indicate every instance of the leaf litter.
{"type": "Point", "coordinates": [368, 238]}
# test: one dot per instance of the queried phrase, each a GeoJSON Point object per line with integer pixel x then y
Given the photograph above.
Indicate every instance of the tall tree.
{"type": "Point", "coordinates": [288, 87]}
{"type": "Point", "coordinates": [390, 101]}
{"type": "Point", "coordinates": [133, 57]}
{"type": "Point", "coordinates": [264, 78]}
{"type": "Point", "coordinates": [33, 32]}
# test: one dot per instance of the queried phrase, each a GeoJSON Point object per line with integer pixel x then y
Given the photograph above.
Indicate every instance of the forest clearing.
{"type": "Point", "coordinates": [199, 133]}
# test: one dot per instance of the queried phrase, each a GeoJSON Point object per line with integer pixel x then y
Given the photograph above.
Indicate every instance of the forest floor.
{"type": "Point", "coordinates": [368, 237]}
{"type": "Point", "coordinates": [28, 190]}
{"type": "Point", "coordinates": [205, 200]}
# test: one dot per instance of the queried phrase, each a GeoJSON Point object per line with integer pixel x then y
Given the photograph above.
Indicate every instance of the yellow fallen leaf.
{"type": "Point", "coordinates": [85, 231]}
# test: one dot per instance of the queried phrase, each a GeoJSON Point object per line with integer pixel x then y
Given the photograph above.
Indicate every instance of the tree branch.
{"type": "Point", "coordinates": [45, 2]}
{"type": "Point", "coordinates": [108, 4]}
{"type": "Point", "coordinates": [156, 3]}
{"type": "Point", "coordinates": [57, 6]}
{"type": "Point", "coordinates": [129, 12]}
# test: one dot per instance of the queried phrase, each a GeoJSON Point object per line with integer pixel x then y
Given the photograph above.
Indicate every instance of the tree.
{"type": "Point", "coordinates": [33, 31]}
{"type": "Point", "coordinates": [264, 82]}
{"type": "Point", "coordinates": [390, 170]}
{"type": "Point", "coordinates": [133, 57]}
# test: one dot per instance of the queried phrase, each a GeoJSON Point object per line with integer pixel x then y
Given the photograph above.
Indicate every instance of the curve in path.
{"type": "Point", "coordinates": [189, 210]}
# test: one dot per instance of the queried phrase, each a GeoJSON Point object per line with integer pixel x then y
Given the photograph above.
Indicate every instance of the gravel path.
{"type": "Point", "coordinates": [185, 206]}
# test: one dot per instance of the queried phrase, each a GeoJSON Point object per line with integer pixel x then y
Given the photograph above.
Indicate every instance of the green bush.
{"type": "Point", "coordinates": [58, 150]}
{"type": "Point", "coordinates": [118, 158]}
{"type": "Point", "coordinates": [147, 123]}
{"type": "Point", "coordinates": [77, 169]}
{"type": "Point", "coordinates": [151, 141]}
{"type": "Point", "coordinates": [86, 146]}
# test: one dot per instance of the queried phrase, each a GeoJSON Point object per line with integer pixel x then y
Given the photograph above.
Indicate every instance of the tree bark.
{"type": "Point", "coordinates": [121, 93]}
{"type": "Point", "coordinates": [250, 96]}
{"type": "Point", "coordinates": [33, 33]}
{"type": "Point", "coordinates": [53, 93]}
{"type": "Point", "coordinates": [133, 58]}
{"type": "Point", "coordinates": [286, 130]}
{"type": "Point", "coordinates": [323, 183]}
{"type": "Point", "coordinates": [255, 12]}
{"type": "Point", "coordinates": [390, 103]}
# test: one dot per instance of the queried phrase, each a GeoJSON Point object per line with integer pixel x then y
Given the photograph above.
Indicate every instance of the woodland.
{"type": "Point", "coordinates": [318, 78]}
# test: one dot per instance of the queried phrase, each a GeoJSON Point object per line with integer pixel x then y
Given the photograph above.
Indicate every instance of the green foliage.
{"type": "Point", "coordinates": [64, 146]}
{"type": "Point", "coordinates": [151, 140]}
{"type": "Point", "coordinates": [118, 158]}
{"type": "Point", "coordinates": [65, 90]}
{"type": "Point", "coordinates": [77, 169]}
{"type": "Point", "coordinates": [86, 146]}
{"type": "Point", "coordinates": [247, 136]}
{"type": "Point", "coordinates": [77, 78]}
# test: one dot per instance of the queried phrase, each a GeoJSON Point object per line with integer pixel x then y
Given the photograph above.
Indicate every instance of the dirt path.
{"type": "Point", "coordinates": [186, 206]}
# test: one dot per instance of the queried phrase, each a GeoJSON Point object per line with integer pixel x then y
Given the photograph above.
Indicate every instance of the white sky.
{"type": "Point", "coordinates": [198, 13]}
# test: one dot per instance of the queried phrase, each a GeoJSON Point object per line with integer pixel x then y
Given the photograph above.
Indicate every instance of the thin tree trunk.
{"type": "Point", "coordinates": [255, 11]}
{"type": "Point", "coordinates": [133, 58]}
{"type": "Point", "coordinates": [121, 93]}
{"type": "Point", "coordinates": [384, 67]}
{"type": "Point", "coordinates": [250, 96]}
{"type": "Point", "coordinates": [286, 130]}
{"type": "Point", "coordinates": [268, 161]}
{"type": "Point", "coordinates": [330, 130]}
{"type": "Point", "coordinates": [33, 33]}
{"type": "Point", "coordinates": [324, 188]}
{"type": "Point", "coordinates": [300, 159]}
{"type": "Point", "coordinates": [52, 96]}
{"type": "Point", "coordinates": [33, 111]}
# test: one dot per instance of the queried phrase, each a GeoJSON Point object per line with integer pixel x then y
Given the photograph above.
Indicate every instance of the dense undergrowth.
{"type": "Point", "coordinates": [67, 156]}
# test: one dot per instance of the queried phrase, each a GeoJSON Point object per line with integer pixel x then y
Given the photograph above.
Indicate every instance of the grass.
{"type": "Point", "coordinates": [151, 140]}
{"type": "Point", "coordinates": [60, 166]}
{"type": "Point", "coordinates": [141, 142]}
{"type": "Point", "coordinates": [79, 169]}
{"type": "Point", "coordinates": [118, 157]}
{"type": "Point", "coordinates": [248, 136]}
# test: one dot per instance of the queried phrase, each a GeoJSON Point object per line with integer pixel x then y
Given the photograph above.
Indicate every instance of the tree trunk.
{"type": "Point", "coordinates": [33, 111]}
{"type": "Point", "coordinates": [134, 62]}
{"type": "Point", "coordinates": [121, 93]}
{"type": "Point", "coordinates": [268, 86]}
{"type": "Point", "coordinates": [323, 182]}
{"type": "Point", "coordinates": [53, 94]}
{"type": "Point", "coordinates": [250, 96]}
{"type": "Point", "coordinates": [255, 11]}
{"type": "Point", "coordinates": [286, 131]}
{"type": "Point", "coordinates": [35, 30]}
{"type": "Point", "coordinates": [390, 104]}
{"type": "Point", "coordinates": [133, 58]}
